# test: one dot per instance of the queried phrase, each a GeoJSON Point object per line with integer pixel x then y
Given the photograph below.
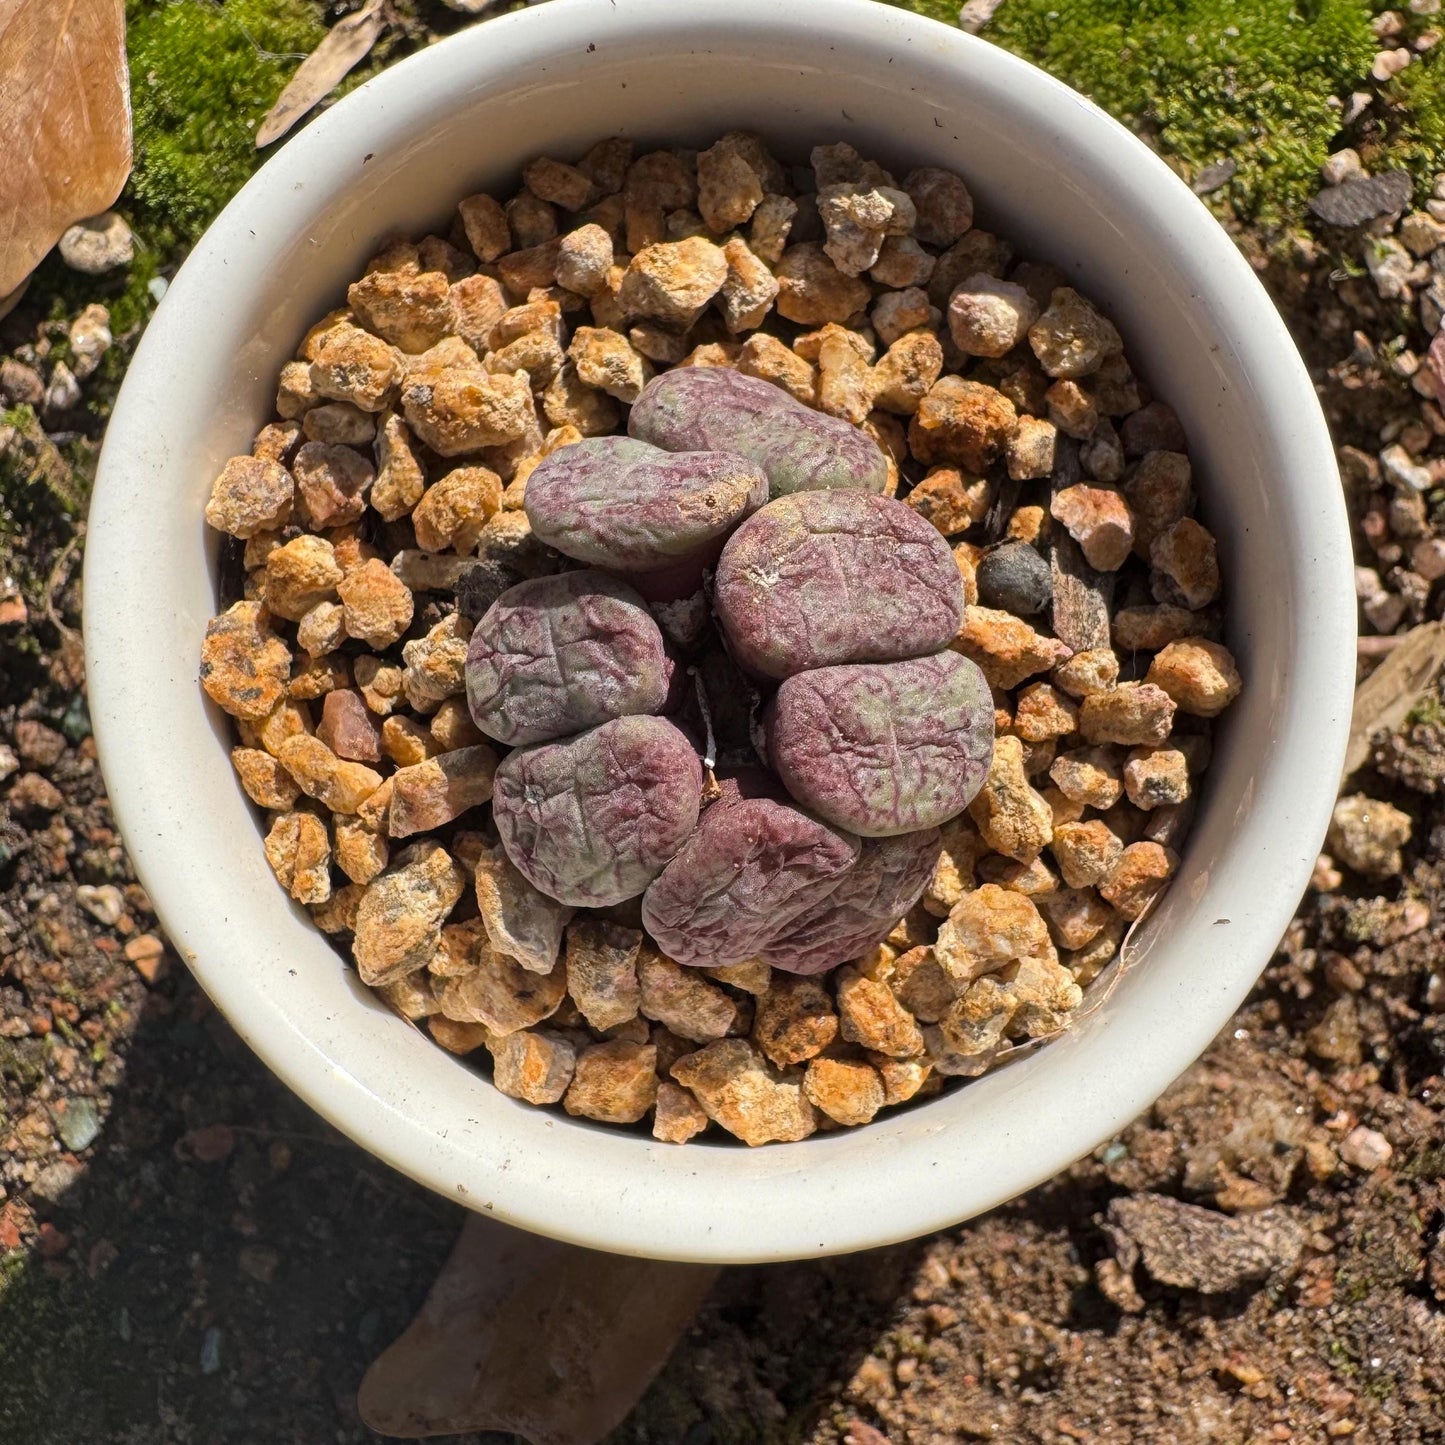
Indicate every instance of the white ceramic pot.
{"type": "Point", "coordinates": [1048, 170]}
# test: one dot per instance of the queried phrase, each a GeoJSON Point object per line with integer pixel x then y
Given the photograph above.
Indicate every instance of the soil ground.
{"type": "Point", "coordinates": [190, 1256]}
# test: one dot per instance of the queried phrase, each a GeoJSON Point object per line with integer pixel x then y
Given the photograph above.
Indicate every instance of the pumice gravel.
{"type": "Point", "coordinates": [726, 645]}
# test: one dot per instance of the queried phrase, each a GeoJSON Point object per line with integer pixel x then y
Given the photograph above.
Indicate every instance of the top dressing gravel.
{"type": "Point", "coordinates": [728, 643]}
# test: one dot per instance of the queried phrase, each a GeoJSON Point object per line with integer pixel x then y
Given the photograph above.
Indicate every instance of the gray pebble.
{"type": "Point", "coordinates": [1362, 198]}
{"type": "Point", "coordinates": [1214, 177]}
{"type": "Point", "coordinates": [1014, 578]}
{"type": "Point", "coordinates": [56, 1180]}
{"type": "Point", "coordinates": [78, 1125]}
{"type": "Point", "coordinates": [20, 385]}
{"type": "Point", "coordinates": [98, 245]}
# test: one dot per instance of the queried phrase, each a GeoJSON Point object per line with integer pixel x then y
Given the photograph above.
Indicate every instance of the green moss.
{"type": "Point", "coordinates": [1250, 80]}
{"type": "Point", "coordinates": [1369, 920]}
{"type": "Point", "coordinates": [1427, 1162]}
{"type": "Point", "coordinates": [1208, 80]}
{"type": "Point", "coordinates": [22, 1062]}
{"type": "Point", "coordinates": [1345, 1361]}
{"type": "Point", "coordinates": [41, 496]}
{"type": "Point", "coordinates": [59, 1309]}
{"type": "Point", "coordinates": [36, 484]}
{"type": "Point", "coordinates": [1430, 709]}
{"type": "Point", "coordinates": [1418, 138]}
{"type": "Point", "coordinates": [202, 76]}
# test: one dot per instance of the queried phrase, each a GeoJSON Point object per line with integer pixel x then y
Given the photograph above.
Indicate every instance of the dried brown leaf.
{"type": "Point", "coordinates": [1080, 614]}
{"type": "Point", "coordinates": [522, 1334]}
{"type": "Point", "coordinates": [64, 123]}
{"type": "Point", "coordinates": [347, 44]}
{"type": "Point", "coordinates": [10, 302]}
{"type": "Point", "coordinates": [1385, 698]}
{"type": "Point", "coordinates": [1081, 609]}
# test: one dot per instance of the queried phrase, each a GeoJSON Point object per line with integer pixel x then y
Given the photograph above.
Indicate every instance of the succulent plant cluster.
{"type": "Point", "coordinates": [836, 601]}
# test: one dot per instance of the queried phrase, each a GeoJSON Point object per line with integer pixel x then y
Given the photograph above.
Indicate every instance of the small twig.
{"type": "Point", "coordinates": [996, 519]}
{"type": "Point", "coordinates": [263, 54]}
{"type": "Point", "coordinates": [59, 576]}
{"type": "Point", "coordinates": [1370, 647]}
{"type": "Point", "coordinates": [709, 760]}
